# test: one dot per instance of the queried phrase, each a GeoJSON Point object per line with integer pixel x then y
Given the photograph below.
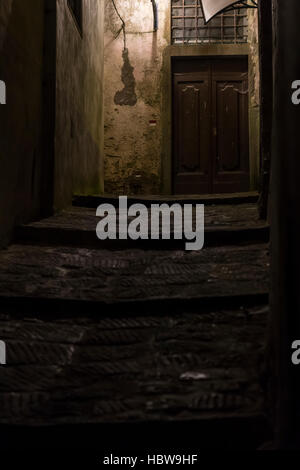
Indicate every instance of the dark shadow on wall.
{"type": "Point", "coordinates": [127, 96]}
{"type": "Point", "coordinates": [21, 149]}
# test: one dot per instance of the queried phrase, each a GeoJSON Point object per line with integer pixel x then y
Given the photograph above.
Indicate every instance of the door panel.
{"type": "Point", "coordinates": [227, 127]}
{"type": "Point", "coordinates": [230, 153]}
{"type": "Point", "coordinates": [210, 126]}
{"type": "Point", "coordinates": [191, 132]}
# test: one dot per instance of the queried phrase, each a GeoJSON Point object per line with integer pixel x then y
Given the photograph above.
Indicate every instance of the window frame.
{"type": "Point", "coordinates": [236, 20]}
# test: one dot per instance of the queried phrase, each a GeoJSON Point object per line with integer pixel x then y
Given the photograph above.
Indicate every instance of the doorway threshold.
{"type": "Point", "coordinates": [93, 201]}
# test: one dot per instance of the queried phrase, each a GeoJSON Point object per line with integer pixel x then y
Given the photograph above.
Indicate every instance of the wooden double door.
{"type": "Point", "coordinates": [210, 125]}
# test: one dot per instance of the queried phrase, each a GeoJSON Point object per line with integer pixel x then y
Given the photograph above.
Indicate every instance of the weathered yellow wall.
{"type": "Point", "coordinates": [79, 103]}
{"type": "Point", "coordinates": [137, 155]}
{"type": "Point", "coordinates": [132, 145]}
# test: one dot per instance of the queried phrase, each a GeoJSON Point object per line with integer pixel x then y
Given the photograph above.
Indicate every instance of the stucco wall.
{"type": "Point", "coordinates": [79, 103]}
{"type": "Point", "coordinates": [132, 141]}
{"type": "Point", "coordinates": [21, 66]}
{"type": "Point", "coordinates": [138, 151]}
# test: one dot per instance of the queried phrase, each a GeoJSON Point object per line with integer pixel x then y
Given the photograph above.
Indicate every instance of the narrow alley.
{"type": "Point", "coordinates": [149, 227]}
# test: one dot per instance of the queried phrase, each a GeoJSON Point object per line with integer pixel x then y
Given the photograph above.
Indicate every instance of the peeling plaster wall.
{"type": "Point", "coordinates": [137, 155]}
{"type": "Point", "coordinates": [21, 67]}
{"type": "Point", "coordinates": [254, 58]}
{"type": "Point", "coordinates": [79, 103]}
{"type": "Point", "coordinates": [133, 96]}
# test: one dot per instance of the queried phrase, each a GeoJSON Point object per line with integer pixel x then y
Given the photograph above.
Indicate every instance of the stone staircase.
{"type": "Point", "coordinates": [110, 341]}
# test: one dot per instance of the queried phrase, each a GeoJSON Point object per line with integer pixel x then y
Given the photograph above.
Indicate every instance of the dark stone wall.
{"type": "Point", "coordinates": [21, 67]}
{"type": "Point", "coordinates": [51, 128]}
{"type": "Point", "coordinates": [285, 227]}
{"type": "Point", "coordinates": [79, 103]}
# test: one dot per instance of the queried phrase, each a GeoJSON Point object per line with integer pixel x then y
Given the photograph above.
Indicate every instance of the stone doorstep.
{"type": "Point", "coordinates": [94, 201]}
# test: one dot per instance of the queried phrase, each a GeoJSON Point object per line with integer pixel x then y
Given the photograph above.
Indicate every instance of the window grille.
{"type": "Point", "coordinates": [188, 24]}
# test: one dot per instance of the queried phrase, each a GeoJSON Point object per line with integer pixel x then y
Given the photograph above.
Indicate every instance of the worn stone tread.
{"type": "Point", "coordinates": [70, 273]}
{"type": "Point", "coordinates": [228, 198]}
{"type": "Point", "coordinates": [176, 367]}
{"type": "Point", "coordinates": [107, 337]}
{"type": "Point", "coordinates": [224, 224]}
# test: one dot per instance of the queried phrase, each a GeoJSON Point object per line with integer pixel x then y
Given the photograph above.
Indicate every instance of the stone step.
{"type": "Point", "coordinates": [224, 225]}
{"type": "Point", "coordinates": [114, 342]}
{"type": "Point", "coordinates": [133, 280]}
{"type": "Point", "coordinates": [187, 371]}
{"type": "Point", "coordinates": [94, 201]}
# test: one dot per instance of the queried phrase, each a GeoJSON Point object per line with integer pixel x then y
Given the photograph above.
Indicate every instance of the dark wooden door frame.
{"type": "Point", "coordinates": [241, 178]}
{"type": "Point", "coordinates": [170, 54]}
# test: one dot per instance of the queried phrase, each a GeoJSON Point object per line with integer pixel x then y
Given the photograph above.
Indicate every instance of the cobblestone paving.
{"type": "Point", "coordinates": [104, 276]}
{"type": "Point", "coordinates": [139, 343]}
{"type": "Point", "coordinates": [82, 369]}
{"type": "Point", "coordinates": [216, 216]}
{"type": "Point", "coordinates": [224, 224]}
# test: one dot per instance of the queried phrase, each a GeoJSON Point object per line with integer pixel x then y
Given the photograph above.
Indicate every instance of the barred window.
{"type": "Point", "coordinates": [188, 24]}
{"type": "Point", "coordinates": [76, 9]}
